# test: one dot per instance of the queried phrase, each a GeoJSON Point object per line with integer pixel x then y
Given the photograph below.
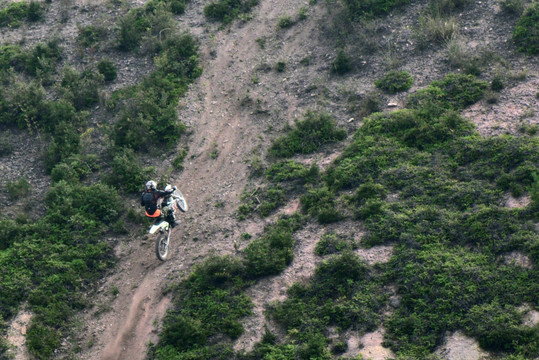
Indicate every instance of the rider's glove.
{"type": "Point", "coordinates": [174, 188]}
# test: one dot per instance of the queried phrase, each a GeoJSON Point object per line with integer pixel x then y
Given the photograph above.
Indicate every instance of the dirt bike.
{"type": "Point", "coordinates": [162, 227]}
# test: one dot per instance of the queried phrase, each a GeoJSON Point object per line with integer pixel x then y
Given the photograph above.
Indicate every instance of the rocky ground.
{"type": "Point", "coordinates": [234, 110]}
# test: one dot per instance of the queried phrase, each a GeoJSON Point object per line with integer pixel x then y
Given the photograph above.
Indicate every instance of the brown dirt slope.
{"type": "Point", "coordinates": [235, 108]}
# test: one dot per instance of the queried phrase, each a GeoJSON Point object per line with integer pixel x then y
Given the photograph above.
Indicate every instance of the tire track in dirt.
{"type": "Point", "coordinates": [135, 326]}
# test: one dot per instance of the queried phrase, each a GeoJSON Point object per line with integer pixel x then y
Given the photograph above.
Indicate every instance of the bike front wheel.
{"type": "Point", "coordinates": [181, 203]}
{"type": "Point", "coordinates": [161, 247]}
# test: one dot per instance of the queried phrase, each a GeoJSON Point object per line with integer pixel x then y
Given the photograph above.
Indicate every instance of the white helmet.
{"type": "Point", "coordinates": [151, 185]}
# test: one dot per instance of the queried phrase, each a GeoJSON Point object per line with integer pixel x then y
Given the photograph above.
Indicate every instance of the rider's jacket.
{"type": "Point", "coordinates": [150, 199]}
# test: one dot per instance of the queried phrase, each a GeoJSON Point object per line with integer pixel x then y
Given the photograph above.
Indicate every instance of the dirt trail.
{"type": "Point", "coordinates": [223, 137]}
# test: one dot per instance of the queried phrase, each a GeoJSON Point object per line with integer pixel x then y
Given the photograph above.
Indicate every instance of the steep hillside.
{"type": "Point", "coordinates": [308, 234]}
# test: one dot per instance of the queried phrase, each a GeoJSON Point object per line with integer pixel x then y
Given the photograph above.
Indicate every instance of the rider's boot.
{"type": "Point", "coordinates": [172, 219]}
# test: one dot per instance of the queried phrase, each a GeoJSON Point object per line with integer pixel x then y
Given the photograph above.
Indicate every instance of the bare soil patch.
{"type": "Point", "coordinates": [457, 346]}
{"type": "Point", "coordinates": [519, 259]}
{"type": "Point", "coordinates": [369, 346]}
{"type": "Point", "coordinates": [531, 318]}
{"type": "Point", "coordinates": [519, 203]}
{"type": "Point", "coordinates": [16, 334]}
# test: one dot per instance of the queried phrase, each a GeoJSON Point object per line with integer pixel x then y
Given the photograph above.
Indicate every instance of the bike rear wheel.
{"type": "Point", "coordinates": [161, 246]}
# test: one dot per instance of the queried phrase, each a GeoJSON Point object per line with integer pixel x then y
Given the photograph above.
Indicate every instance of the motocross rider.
{"type": "Point", "coordinates": [150, 200]}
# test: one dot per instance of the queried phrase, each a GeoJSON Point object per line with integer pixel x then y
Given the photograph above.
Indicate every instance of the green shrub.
{"type": "Point", "coordinates": [395, 81]}
{"type": "Point", "coordinates": [455, 91]}
{"type": "Point", "coordinates": [302, 13]}
{"type": "Point", "coordinates": [227, 10]}
{"type": "Point", "coordinates": [70, 199]}
{"type": "Point", "coordinates": [66, 142]}
{"type": "Point", "coordinates": [280, 66]}
{"type": "Point", "coordinates": [34, 11]}
{"type": "Point", "coordinates": [437, 281]}
{"type": "Point", "coordinates": [49, 261]}
{"type": "Point", "coordinates": [147, 124]}
{"type": "Point", "coordinates": [365, 159]}
{"type": "Point", "coordinates": [412, 129]}
{"type": "Point", "coordinates": [9, 232]}
{"type": "Point", "coordinates": [292, 171]}
{"type": "Point", "coordinates": [208, 303]}
{"type": "Point", "coordinates": [183, 332]}
{"type": "Point", "coordinates": [514, 7]}
{"type": "Point", "coordinates": [273, 251]}
{"type": "Point", "coordinates": [42, 340]}
{"type": "Point", "coordinates": [177, 6]}
{"type": "Point", "coordinates": [12, 56]}
{"type": "Point", "coordinates": [24, 105]}
{"type": "Point", "coordinates": [320, 203]}
{"type": "Point", "coordinates": [41, 60]}
{"type": "Point", "coordinates": [178, 58]}
{"type": "Point", "coordinates": [217, 352]}
{"type": "Point", "coordinates": [63, 172]}
{"type": "Point", "coordinates": [4, 347]}
{"type": "Point", "coordinates": [216, 272]}
{"type": "Point", "coordinates": [148, 115]}
{"type": "Point", "coordinates": [339, 348]}
{"type": "Point", "coordinates": [372, 207]}
{"type": "Point", "coordinates": [131, 29]}
{"type": "Point", "coordinates": [500, 328]}
{"type": "Point", "coordinates": [435, 29]}
{"type": "Point", "coordinates": [332, 243]}
{"type": "Point", "coordinates": [13, 14]}
{"type": "Point", "coordinates": [161, 26]}
{"type": "Point", "coordinates": [534, 189]}
{"type": "Point", "coordinates": [6, 148]}
{"type": "Point", "coordinates": [107, 69]}
{"type": "Point", "coordinates": [174, 6]}
{"type": "Point", "coordinates": [18, 189]}
{"type": "Point", "coordinates": [177, 163]}
{"type": "Point", "coordinates": [508, 152]}
{"type": "Point", "coordinates": [526, 33]}
{"type": "Point", "coordinates": [126, 172]}
{"type": "Point", "coordinates": [59, 113]}
{"type": "Point", "coordinates": [341, 294]}
{"type": "Point", "coordinates": [263, 201]}
{"type": "Point", "coordinates": [285, 22]}
{"type": "Point", "coordinates": [497, 83]}
{"type": "Point", "coordinates": [74, 168]}
{"type": "Point", "coordinates": [308, 135]}
{"type": "Point", "coordinates": [342, 63]}
{"type": "Point", "coordinates": [461, 90]}
{"type": "Point", "coordinates": [368, 191]}
{"type": "Point", "coordinates": [81, 88]}
{"type": "Point", "coordinates": [90, 35]}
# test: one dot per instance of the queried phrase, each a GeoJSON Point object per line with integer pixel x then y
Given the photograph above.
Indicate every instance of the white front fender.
{"type": "Point", "coordinates": [162, 225]}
